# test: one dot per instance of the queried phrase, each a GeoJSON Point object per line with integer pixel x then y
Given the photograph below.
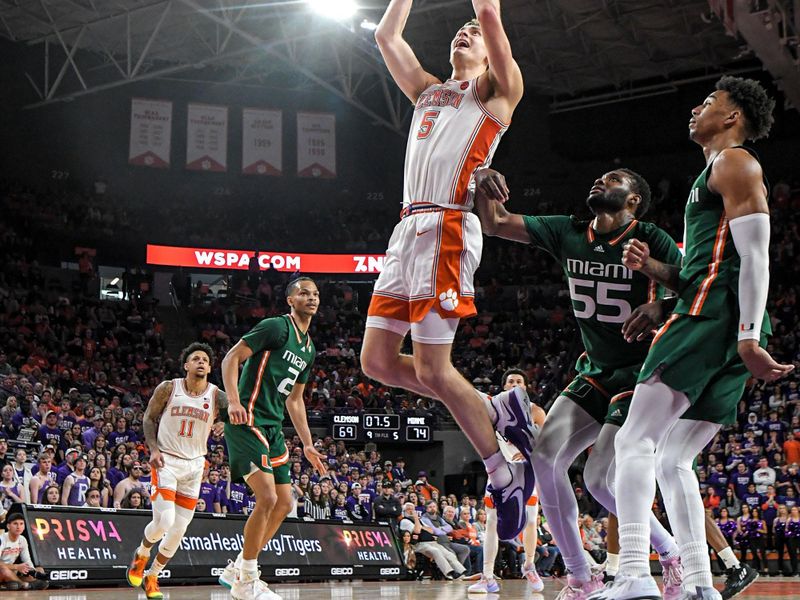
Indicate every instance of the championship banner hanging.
{"type": "Point", "coordinates": [207, 138]}
{"type": "Point", "coordinates": [316, 145]}
{"type": "Point", "coordinates": [285, 262]}
{"type": "Point", "coordinates": [151, 133]}
{"type": "Point", "coordinates": [262, 137]}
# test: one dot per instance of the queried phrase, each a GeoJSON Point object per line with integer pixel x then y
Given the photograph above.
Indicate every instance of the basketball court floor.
{"type": "Point", "coordinates": [772, 588]}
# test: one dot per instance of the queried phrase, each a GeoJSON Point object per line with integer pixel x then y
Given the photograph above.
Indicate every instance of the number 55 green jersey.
{"type": "Point", "coordinates": [603, 291]}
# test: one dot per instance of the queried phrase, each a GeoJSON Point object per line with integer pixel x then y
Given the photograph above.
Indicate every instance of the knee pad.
{"type": "Point", "coordinates": [163, 520]}
{"type": "Point", "coordinates": [169, 545]}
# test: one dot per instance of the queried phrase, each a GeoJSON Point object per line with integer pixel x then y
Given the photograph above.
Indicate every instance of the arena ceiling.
{"type": "Point", "coordinates": [574, 51]}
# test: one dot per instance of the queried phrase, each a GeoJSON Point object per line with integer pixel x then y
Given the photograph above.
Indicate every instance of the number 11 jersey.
{"type": "Point", "coordinates": [603, 291]}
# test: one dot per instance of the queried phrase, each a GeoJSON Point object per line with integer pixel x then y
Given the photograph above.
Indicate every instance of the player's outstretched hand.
{"type": "Point", "coordinates": [643, 322]}
{"type": "Point", "coordinates": [237, 415]}
{"type": "Point", "coordinates": [491, 185]}
{"type": "Point", "coordinates": [760, 364]}
{"type": "Point", "coordinates": [635, 254]}
{"type": "Point", "coordinates": [156, 460]}
{"type": "Point", "coordinates": [315, 458]}
{"type": "Point", "coordinates": [218, 428]}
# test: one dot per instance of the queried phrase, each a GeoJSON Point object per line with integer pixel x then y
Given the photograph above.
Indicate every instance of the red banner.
{"type": "Point", "coordinates": [213, 258]}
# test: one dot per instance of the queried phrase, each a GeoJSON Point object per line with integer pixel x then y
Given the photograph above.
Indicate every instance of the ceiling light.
{"type": "Point", "coordinates": [368, 25]}
{"type": "Point", "coordinates": [114, 281]}
{"type": "Point", "coordinates": [334, 9]}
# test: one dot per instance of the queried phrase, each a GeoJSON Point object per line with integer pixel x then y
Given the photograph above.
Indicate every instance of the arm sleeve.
{"type": "Point", "coordinates": [546, 232]}
{"type": "Point", "coordinates": [269, 334]}
{"type": "Point", "coordinates": [750, 235]}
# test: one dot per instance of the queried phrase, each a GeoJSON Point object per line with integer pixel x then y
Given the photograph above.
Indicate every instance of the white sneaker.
{"type": "Point", "coordinates": [625, 587]}
{"type": "Point", "coordinates": [535, 582]}
{"type": "Point", "coordinates": [484, 586]}
{"type": "Point", "coordinates": [252, 589]}
{"type": "Point", "coordinates": [701, 593]}
{"type": "Point", "coordinates": [229, 575]}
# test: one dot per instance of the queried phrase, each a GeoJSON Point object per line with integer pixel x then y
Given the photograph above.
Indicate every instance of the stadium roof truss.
{"type": "Point", "coordinates": [578, 52]}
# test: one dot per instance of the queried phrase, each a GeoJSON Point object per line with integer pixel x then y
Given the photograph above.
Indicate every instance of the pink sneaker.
{"type": "Point", "coordinates": [576, 590]}
{"type": "Point", "coordinates": [534, 581]}
{"type": "Point", "coordinates": [673, 577]}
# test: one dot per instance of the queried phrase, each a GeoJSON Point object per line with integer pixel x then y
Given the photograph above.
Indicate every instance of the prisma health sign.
{"type": "Point", "coordinates": [287, 262]}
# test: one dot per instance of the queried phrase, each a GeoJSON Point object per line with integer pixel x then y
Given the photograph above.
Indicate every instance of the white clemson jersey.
{"type": "Point", "coordinates": [452, 135]}
{"type": "Point", "coordinates": [186, 421]}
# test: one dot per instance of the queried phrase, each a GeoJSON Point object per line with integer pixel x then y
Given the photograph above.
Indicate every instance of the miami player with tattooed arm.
{"type": "Point", "coordinates": [615, 309]}
{"type": "Point", "coordinates": [700, 360]}
{"type": "Point", "coordinates": [278, 356]}
{"type": "Point", "coordinates": [178, 420]}
{"type": "Point", "coordinates": [426, 285]}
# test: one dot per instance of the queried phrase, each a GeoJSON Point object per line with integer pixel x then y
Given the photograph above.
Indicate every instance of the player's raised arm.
{"type": "Point", "coordinates": [490, 187]}
{"type": "Point", "coordinates": [636, 256]}
{"type": "Point", "coordinates": [738, 178]}
{"type": "Point", "coordinates": [400, 59]}
{"type": "Point", "coordinates": [152, 416]}
{"type": "Point", "coordinates": [504, 73]}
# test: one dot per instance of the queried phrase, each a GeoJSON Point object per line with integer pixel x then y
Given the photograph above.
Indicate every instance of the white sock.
{"type": "Point", "coordinates": [142, 551]}
{"type": "Point", "coordinates": [612, 564]}
{"type": "Point", "coordinates": [155, 568]}
{"type": "Point", "coordinates": [249, 569]}
{"type": "Point", "coordinates": [696, 566]}
{"type": "Point", "coordinates": [662, 541]}
{"type": "Point", "coordinates": [634, 556]}
{"type": "Point", "coordinates": [497, 470]}
{"type": "Point", "coordinates": [489, 408]}
{"type": "Point", "coordinates": [238, 562]}
{"type": "Point", "coordinates": [490, 544]}
{"type": "Point", "coordinates": [729, 558]}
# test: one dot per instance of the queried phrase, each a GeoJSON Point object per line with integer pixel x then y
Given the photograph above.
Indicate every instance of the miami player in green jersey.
{"type": "Point", "coordinates": [277, 354]}
{"type": "Point", "coordinates": [604, 296]}
{"type": "Point", "coordinates": [701, 358]}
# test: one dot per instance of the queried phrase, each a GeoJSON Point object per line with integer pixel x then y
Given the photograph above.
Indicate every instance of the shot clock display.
{"type": "Point", "coordinates": [381, 428]}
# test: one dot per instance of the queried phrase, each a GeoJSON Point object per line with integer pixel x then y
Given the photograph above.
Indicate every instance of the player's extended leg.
{"type": "Point", "coordinates": [679, 486]}
{"type": "Point", "coordinates": [247, 585]}
{"type": "Point", "coordinates": [738, 576]}
{"type": "Point", "coordinates": [163, 506]}
{"type": "Point", "coordinates": [654, 410]}
{"type": "Point", "coordinates": [599, 478]}
{"type": "Point", "coordinates": [382, 360]}
{"type": "Point", "coordinates": [567, 431]}
{"type": "Point", "coordinates": [184, 513]}
{"type": "Point", "coordinates": [491, 543]}
{"type": "Point", "coordinates": [529, 535]}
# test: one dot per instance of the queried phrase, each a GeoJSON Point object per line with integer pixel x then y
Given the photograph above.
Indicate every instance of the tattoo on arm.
{"type": "Point", "coordinates": [152, 416]}
{"type": "Point", "coordinates": [222, 400]}
{"type": "Point", "coordinates": [666, 275]}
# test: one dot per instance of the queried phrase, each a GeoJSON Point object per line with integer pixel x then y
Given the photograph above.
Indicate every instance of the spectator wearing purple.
{"type": "Point", "coordinates": [122, 434]}
{"type": "Point", "coordinates": [751, 497]}
{"type": "Point", "coordinates": [210, 493]}
{"type": "Point", "coordinates": [789, 498]}
{"type": "Point", "coordinates": [758, 541]}
{"type": "Point", "coordinates": [90, 434]}
{"type": "Point", "coordinates": [236, 497]}
{"type": "Point", "coordinates": [26, 417]}
{"type": "Point", "coordinates": [50, 433]}
{"type": "Point", "coordinates": [87, 421]}
{"type": "Point", "coordinates": [719, 479]}
{"type": "Point", "coordinates": [76, 484]}
{"type": "Point", "coordinates": [120, 470]}
{"type": "Point", "coordinates": [399, 472]}
{"type": "Point", "coordinates": [67, 467]}
{"type": "Point", "coordinates": [67, 417]}
{"type": "Point", "coordinates": [740, 479]}
{"type": "Point", "coordinates": [775, 424]}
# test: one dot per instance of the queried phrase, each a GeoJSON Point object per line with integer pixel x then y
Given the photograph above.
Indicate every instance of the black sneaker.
{"type": "Point", "coordinates": [737, 580]}
{"type": "Point", "coordinates": [608, 578]}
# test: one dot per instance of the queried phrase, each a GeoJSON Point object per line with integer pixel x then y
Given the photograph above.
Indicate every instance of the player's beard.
{"type": "Point", "coordinates": [610, 201]}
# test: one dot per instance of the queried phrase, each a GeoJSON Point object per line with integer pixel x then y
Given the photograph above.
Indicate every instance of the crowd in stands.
{"type": "Point", "coordinates": [76, 374]}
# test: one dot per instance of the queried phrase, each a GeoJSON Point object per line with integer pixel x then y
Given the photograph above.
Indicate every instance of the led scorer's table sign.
{"type": "Point", "coordinates": [287, 262]}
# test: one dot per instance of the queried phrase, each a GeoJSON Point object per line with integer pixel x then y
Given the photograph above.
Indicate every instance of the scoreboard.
{"type": "Point", "coordinates": [381, 428]}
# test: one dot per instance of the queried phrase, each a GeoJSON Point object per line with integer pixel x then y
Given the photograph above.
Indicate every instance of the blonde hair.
{"type": "Point", "coordinates": [471, 23]}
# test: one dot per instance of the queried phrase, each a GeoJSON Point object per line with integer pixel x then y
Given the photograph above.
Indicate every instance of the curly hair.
{"type": "Point", "coordinates": [752, 98]}
{"type": "Point", "coordinates": [194, 347]}
{"type": "Point", "coordinates": [641, 187]}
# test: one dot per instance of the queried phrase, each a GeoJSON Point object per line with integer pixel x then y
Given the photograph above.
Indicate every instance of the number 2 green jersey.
{"type": "Point", "coordinates": [709, 276]}
{"type": "Point", "coordinates": [602, 289]}
{"type": "Point", "coordinates": [282, 356]}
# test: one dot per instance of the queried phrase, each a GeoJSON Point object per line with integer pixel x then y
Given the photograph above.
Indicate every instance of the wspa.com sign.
{"type": "Point", "coordinates": [212, 258]}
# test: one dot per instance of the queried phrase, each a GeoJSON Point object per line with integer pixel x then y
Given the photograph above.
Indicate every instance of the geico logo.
{"type": "Point", "coordinates": [216, 572]}
{"type": "Point", "coordinates": [69, 575]}
{"type": "Point", "coordinates": [286, 572]}
{"type": "Point", "coordinates": [165, 574]}
{"type": "Point", "coordinates": [342, 571]}
{"type": "Point", "coordinates": [390, 571]}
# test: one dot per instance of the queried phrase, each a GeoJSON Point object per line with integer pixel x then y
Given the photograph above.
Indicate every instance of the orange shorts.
{"type": "Point", "coordinates": [430, 264]}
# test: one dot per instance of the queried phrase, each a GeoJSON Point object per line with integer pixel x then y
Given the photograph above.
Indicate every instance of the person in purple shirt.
{"type": "Point", "coordinates": [781, 545]}
{"type": "Point", "coordinates": [339, 511]}
{"type": "Point", "coordinates": [740, 479]}
{"type": "Point", "coordinates": [719, 479]}
{"type": "Point", "coordinates": [73, 492]}
{"type": "Point", "coordinates": [789, 498]}
{"type": "Point", "coordinates": [119, 471]}
{"type": "Point", "coordinates": [95, 429]}
{"type": "Point", "coordinates": [122, 434]}
{"type": "Point", "coordinates": [758, 541]}
{"type": "Point", "coordinates": [221, 487]}
{"type": "Point", "coordinates": [210, 493]}
{"type": "Point", "coordinates": [50, 432]}
{"type": "Point", "coordinates": [236, 498]}
{"type": "Point", "coordinates": [727, 526]}
{"type": "Point", "coordinates": [751, 497]}
{"type": "Point", "coordinates": [67, 417]}
{"type": "Point", "coordinates": [793, 537]}
{"type": "Point", "coordinates": [67, 467]}
{"type": "Point", "coordinates": [87, 422]}
{"type": "Point", "coordinates": [775, 424]}
{"type": "Point", "coordinates": [217, 441]}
